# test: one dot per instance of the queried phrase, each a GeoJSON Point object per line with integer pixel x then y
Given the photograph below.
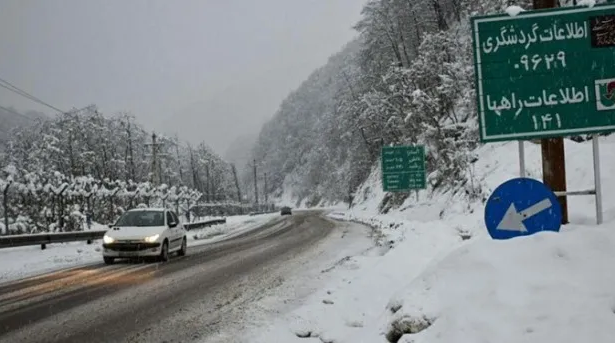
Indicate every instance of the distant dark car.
{"type": "Point", "coordinates": [285, 211]}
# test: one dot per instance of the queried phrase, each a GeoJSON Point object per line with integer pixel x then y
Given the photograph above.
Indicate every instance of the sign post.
{"type": "Point", "coordinates": [597, 185]}
{"type": "Point", "coordinates": [403, 168]}
{"type": "Point", "coordinates": [543, 74]}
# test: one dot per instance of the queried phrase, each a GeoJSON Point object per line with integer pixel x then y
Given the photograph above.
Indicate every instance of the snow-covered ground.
{"type": "Point", "coordinates": [21, 262]}
{"type": "Point", "coordinates": [444, 280]}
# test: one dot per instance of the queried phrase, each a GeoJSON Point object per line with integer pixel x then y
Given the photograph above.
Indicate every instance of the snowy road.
{"type": "Point", "coordinates": [184, 300]}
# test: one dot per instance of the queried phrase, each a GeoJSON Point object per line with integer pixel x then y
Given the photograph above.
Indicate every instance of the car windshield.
{"type": "Point", "coordinates": [141, 218]}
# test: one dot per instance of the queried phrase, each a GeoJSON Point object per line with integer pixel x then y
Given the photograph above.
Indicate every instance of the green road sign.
{"type": "Point", "coordinates": [545, 73]}
{"type": "Point", "coordinates": [403, 168]}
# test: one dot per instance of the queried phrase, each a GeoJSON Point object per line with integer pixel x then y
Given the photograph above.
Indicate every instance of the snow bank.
{"type": "Point", "coordinates": [21, 262]}
{"type": "Point", "coordinates": [543, 288]}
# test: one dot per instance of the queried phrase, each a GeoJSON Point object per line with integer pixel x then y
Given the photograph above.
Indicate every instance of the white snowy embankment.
{"type": "Point", "coordinates": [26, 261]}
{"type": "Point", "coordinates": [444, 276]}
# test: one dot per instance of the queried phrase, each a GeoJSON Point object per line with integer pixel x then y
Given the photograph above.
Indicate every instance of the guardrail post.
{"type": "Point", "coordinates": [89, 241]}
{"type": "Point", "coordinates": [43, 246]}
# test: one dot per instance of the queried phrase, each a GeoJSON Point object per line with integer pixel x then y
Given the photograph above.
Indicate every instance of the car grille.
{"type": "Point", "coordinates": [130, 246]}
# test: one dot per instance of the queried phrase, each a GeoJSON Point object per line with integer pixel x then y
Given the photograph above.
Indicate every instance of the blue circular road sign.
{"type": "Point", "coordinates": [521, 207]}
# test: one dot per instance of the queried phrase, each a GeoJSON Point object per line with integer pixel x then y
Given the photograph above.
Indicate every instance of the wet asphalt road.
{"type": "Point", "coordinates": [183, 300]}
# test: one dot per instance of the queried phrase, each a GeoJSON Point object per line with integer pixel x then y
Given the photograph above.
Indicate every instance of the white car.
{"type": "Point", "coordinates": [147, 232]}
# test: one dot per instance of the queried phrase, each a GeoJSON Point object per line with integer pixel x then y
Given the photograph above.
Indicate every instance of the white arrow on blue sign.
{"type": "Point", "coordinates": [521, 207]}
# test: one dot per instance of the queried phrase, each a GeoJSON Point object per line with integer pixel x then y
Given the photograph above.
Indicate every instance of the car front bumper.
{"type": "Point", "coordinates": [131, 249]}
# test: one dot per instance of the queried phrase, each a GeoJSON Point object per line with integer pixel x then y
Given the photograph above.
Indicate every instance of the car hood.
{"type": "Point", "coordinates": [134, 232]}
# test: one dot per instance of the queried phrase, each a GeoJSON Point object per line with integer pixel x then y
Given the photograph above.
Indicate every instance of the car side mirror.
{"type": "Point", "coordinates": [172, 224]}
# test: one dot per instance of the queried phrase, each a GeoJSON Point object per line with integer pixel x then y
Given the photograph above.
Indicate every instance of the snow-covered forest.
{"type": "Point", "coordinates": [407, 79]}
{"type": "Point", "coordinates": [58, 170]}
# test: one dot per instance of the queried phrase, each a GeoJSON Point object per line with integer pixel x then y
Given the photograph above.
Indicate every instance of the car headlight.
{"type": "Point", "coordinates": [152, 239]}
{"type": "Point", "coordinates": [108, 240]}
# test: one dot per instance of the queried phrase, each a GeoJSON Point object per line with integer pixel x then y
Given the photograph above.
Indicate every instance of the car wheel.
{"type": "Point", "coordinates": [109, 260]}
{"type": "Point", "coordinates": [182, 251]}
{"type": "Point", "coordinates": [164, 253]}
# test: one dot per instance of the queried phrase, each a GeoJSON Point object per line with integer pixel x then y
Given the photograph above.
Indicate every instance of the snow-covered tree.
{"type": "Point", "coordinates": [83, 162]}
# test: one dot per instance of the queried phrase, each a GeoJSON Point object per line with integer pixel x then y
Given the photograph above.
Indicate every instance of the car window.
{"type": "Point", "coordinates": [170, 218]}
{"type": "Point", "coordinates": [141, 218]}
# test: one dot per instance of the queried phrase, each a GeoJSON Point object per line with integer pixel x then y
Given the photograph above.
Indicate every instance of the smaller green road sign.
{"type": "Point", "coordinates": [545, 73]}
{"type": "Point", "coordinates": [403, 168]}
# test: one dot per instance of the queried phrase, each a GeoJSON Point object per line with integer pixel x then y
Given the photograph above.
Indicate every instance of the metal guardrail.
{"type": "Point", "coordinates": [47, 238]}
{"type": "Point", "coordinates": [204, 224]}
{"type": "Point", "coordinates": [261, 213]}
{"type": "Point", "coordinates": [43, 239]}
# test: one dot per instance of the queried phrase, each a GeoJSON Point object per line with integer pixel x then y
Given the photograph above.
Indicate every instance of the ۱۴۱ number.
{"type": "Point", "coordinates": [546, 119]}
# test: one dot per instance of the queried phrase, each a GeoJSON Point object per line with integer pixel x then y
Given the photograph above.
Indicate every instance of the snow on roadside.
{"type": "Point", "coordinates": [26, 261]}
{"type": "Point", "coordinates": [234, 225]}
{"type": "Point", "coordinates": [302, 278]}
{"type": "Point", "coordinates": [442, 272]}
{"type": "Point", "coordinates": [546, 288]}
{"type": "Point", "coordinates": [362, 285]}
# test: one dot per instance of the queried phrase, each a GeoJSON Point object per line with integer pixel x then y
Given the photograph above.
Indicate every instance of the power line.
{"type": "Point", "coordinates": [26, 95]}
{"type": "Point", "coordinates": [15, 112]}
{"type": "Point", "coordinates": [18, 91]}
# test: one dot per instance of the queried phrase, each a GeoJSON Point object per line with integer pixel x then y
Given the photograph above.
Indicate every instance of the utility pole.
{"type": "Point", "coordinates": [154, 159]}
{"type": "Point", "coordinates": [196, 181]}
{"type": "Point", "coordinates": [179, 162]}
{"type": "Point", "coordinates": [131, 160]}
{"type": "Point", "coordinates": [207, 182]}
{"type": "Point", "coordinates": [156, 166]}
{"type": "Point", "coordinates": [236, 182]}
{"type": "Point", "coordinates": [553, 154]}
{"type": "Point", "coordinates": [255, 184]}
{"type": "Point", "coordinates": [266, 191]}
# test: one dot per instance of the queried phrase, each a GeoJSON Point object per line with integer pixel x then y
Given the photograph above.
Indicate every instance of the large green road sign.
{"type": "Point", "coordinates": [403, 168]}
{"type": "Point", "coordinates": [545, 73]}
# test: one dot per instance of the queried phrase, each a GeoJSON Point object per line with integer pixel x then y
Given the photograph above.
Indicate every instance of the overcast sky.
{"type": "Point", "coordinates": [212, 70]}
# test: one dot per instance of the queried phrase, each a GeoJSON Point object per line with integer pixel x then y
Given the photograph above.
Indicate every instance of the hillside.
{"type": "Point", "coordinates": [407, 79]}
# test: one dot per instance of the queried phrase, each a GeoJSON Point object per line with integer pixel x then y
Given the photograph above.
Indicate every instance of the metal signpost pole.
{"type": "Point", "coordinates": [521, 159]}
{"type": "Point", "coordinates": [597, 183]}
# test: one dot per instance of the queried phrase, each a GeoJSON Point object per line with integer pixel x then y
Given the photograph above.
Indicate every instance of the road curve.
{"type": "Point", "coordinates": [179, 301]}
